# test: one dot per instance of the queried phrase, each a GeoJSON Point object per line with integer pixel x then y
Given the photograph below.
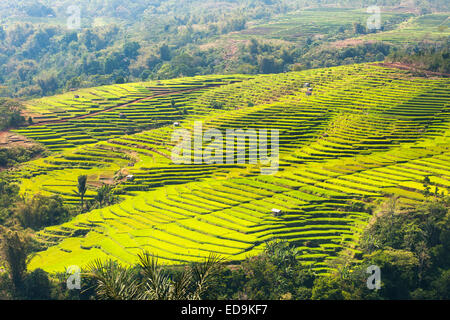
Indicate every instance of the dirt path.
{"type": "Point", "coordinates": [9, 139]}
{"type": "Point", "coordinates": [122, 105]}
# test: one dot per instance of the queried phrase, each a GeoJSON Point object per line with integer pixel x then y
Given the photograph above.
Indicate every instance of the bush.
{"type": "Point", "coordinates": [37, 285]}
{"type": "Point", "coordinates": [9, 194]}
{"type": "Point", "coordinates": [41, 211]}
{"type": "Point", "coordinates": [12, 156]}
{"type": "Point", "coordinates": [10, 113]}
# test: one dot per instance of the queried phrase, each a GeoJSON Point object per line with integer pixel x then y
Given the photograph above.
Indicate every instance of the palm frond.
{"type": "Point", "coordinates": [114, 282]}
{"type": "Point", "coordinates": [158, 283]}
{"type": "Point", "coordinates": [202, 274]}
{"type": "Point", "coordinates": [180, 288]}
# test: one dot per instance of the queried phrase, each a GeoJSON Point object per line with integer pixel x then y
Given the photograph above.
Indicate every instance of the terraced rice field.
{"type": "Point", "coordinates": [430, 27]}
{"type": "Point", "coordinates": [367, 132]}
{"type": "Point", "coordinates": [96, 114]}
{"type": "Point", "coordinates": [306, 23]}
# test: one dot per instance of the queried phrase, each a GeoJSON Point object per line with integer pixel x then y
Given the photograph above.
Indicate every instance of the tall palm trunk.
{"type": "Point", "coordinates": [82, 188]}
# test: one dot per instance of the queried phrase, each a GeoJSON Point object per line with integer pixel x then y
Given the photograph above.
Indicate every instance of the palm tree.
{"type": "Point", "coordinates": [103, 196]}
{"type": "Point", "coordinates": [193, 282]}
{"type": "Point", "coordinates": [14, 251]}
{"type": "Point", "coordinates": [202, 275]}
{"type": "Point", "coordinates": [82, 188]}
{"type": "Point", "coordinates": [116, 282]}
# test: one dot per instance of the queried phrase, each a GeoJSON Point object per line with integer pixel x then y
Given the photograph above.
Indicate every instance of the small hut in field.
{"type": "Point", "coordinates": [276, 212]}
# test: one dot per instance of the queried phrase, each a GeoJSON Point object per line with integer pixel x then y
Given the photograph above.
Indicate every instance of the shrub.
{"type": "Point", "coordinates": [41, 211]}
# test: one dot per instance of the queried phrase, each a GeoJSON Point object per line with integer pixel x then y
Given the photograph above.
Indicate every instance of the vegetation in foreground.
{"type": "Point", "coordinates": [410, 247]}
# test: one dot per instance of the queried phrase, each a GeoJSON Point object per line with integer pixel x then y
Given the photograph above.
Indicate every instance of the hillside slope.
{"type": "Point", "coordinates": [366, 132]}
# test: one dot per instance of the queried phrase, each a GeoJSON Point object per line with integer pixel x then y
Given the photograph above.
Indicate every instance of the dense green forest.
{"type": "Point", "coordinates": [124, 41]}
